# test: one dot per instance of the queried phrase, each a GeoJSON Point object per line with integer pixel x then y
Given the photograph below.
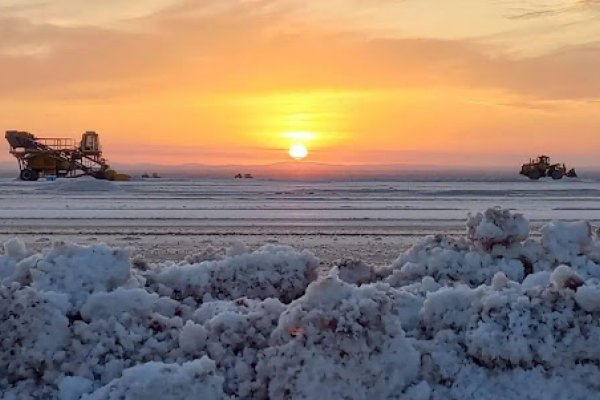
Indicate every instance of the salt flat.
{"type": "Point", "coordinates": [166, 218]}
{"type": "Point", "coordinates": [275, 203]}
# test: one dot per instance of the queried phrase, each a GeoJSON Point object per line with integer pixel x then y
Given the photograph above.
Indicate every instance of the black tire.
{"type": "Point", "coordinates": [534, 175]}
{"type": "Point", "coordinates": [100, 175]}
{"type": "Point", "coordinates": [556, 174]}
{"type": "Point", "coordinates": [29, 175]}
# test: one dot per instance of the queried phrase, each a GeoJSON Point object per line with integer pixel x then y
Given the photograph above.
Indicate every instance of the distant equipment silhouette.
{"type": "Point", "coordinates": [60, 157]}
{"type": "Point", "coordinates": [542, 167]}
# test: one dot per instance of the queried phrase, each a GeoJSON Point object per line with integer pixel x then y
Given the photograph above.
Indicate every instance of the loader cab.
{"type": "Point", "coordinates": [90, 143]}
{"type": "Point", "coordinates": [544, 160]}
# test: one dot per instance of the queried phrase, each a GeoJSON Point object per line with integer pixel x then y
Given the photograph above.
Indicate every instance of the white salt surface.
{"type": "Point", "coordinates": [82, 185]}
{"type": "Point", "coordinates": [494, 314]}
{"type": "Point", "coordinates": [268, 203]}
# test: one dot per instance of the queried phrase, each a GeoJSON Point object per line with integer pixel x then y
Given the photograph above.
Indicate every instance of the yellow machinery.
{"type": "Point", "coordinates": [60, 157]}
{"type": "Point", "coordinates": [542, 167]}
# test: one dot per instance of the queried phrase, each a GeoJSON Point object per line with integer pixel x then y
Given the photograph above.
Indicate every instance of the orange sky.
{"type": "Point", "coordinates": [464, 82]}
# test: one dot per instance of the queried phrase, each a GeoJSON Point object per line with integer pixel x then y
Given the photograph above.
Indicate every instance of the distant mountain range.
{"type": "Point", "coordinates": [305, 170]}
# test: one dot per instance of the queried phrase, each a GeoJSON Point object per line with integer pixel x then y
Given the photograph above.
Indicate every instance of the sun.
{"type": "Point", "coordinates": [298, 151]}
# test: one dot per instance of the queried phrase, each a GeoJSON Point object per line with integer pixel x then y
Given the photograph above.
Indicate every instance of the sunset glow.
{"type": "Point", "coordinates": [370, 82]}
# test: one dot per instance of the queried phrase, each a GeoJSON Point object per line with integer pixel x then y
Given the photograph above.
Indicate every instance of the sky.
{"type": "Point", "coordinates": [476, 83]}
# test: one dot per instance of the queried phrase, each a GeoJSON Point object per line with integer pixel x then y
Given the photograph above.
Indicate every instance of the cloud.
{"type": "Point", "coordinates": [202, 47]}
{"type": "Point", "coordinates": [542, 106]}
{"type": "Point", "coordinates": [81, 12]}
{"type": "Point", "coordinates": [528, 14]}
{"type": "Point", "coordinates": [557, 8]}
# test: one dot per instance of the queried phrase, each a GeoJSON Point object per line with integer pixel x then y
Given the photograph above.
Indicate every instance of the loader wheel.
{"type": "Point", "coordinates": [28, 175]}
{"type": "Point", "coordinates": [556, 174]}
{"type": "Point", "coordinates": [534, 175]}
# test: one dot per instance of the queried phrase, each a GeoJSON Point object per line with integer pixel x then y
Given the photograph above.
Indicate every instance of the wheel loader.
{"type": "Point", "coordinates": [542, 167]}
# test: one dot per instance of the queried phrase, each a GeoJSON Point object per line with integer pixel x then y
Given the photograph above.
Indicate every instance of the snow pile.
{"type": "Point", "coordinates": [77, 319]}
{"type": "Point", "coordinates": [449, 260]}
{"type": "Point", "coordinates": [272, 271]}
{"type": "Point", "coordinates": [494, 315]}
{"type": "Point", "coordinates": [74, 270]}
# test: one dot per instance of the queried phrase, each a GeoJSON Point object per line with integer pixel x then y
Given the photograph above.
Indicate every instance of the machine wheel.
{"type": "Point", "coordinates": [534, 175]}
{"type": "Point", "coordinates": [556, 174]}
{"type": "Point", "coordinates": [29, 175]}
{"type": "Point", "coordinates": [100, 175]}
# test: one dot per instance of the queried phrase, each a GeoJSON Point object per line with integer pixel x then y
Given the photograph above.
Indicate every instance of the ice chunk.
{"type": "Point", "coordinates": [74, 387]}
{"type": "Point", "coordinates": [499, 281]}
{"type": "Point", "coordinates": [539, 279]}
{"type": "Point", "coordinates": [354, 271]}
{"type": "Point", "coordinates": [588, 297]}
{"type": "Point", "coordinates": [565, 240]}
{"type": "Point", "coordinates": [497, 226]}
{"type": "Point", "coordinates": [15, 248]}
{"type": "Point", "coordinates": [14, 251]}
{"type": "Point", "coordinates": [565, 277]}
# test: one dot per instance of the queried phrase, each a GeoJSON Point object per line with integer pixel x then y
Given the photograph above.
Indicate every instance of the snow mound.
{"type": "Point", "coordinates": [271, 271]}
{"type": "Point", "coordinates": [75, 270]}
{"type": "Point", "coordinates": [492, 315]}
{"type": "Point", "coordinates": [455, 260]}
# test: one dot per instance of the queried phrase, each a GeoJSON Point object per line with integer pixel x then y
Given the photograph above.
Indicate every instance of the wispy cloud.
{"type": "Point", "coordinates": [542, 9]}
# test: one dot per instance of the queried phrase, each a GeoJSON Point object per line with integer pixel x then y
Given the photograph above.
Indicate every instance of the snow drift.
{"type": "Point", "coordinates": [491, 315]}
